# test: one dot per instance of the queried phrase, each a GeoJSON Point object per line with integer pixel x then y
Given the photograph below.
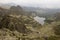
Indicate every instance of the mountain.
{"type": "Point", "coordinates": [26, 8]}
{"type": "Point", "coordinates": [39, 11]}
{"type": "Point", "coordinates": [46, 10]}
{"type": "Point", "coordinates": [30, 10]}
{"type": "Point", "coordinates": [7, 5]}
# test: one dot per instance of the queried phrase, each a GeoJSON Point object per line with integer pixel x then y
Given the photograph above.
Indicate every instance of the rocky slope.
{"type": "Point", "coordinates": [17, 26]}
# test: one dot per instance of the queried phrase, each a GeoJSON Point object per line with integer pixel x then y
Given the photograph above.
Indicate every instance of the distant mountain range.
{"type": "Point", "coordinates": [38, 10]}
{"type": "Point", "coordinates": [41, 10]}
{"type": "Point", "coordinates": [7, 6]}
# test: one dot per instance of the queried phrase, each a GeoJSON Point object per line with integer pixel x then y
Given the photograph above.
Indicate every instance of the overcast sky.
{"type": "Point", "coordinates": [36, 3]}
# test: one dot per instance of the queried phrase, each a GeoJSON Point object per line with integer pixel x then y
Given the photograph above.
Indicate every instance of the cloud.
{"type": "Point", "coordinates": [41, 3]}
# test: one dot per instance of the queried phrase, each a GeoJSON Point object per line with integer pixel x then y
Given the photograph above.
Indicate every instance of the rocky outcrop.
{"type": "Point", "coordinates": [16, 10]}
{"type": "Point", "coordinates": [12, 23]}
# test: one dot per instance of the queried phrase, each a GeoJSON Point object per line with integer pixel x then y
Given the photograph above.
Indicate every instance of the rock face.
{"type": "Point", "coordinates": [16, 10]}
{"type": "Point", "coordinates": [12, 23]}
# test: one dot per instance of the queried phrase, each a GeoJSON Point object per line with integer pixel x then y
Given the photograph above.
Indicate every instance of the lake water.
{"type": "Point", "coordinates": [39, 20]}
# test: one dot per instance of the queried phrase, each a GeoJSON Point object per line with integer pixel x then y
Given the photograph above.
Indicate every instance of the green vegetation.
{"type": "Point", "coordinates": [57, 30]}
{"type": "Point", "coordinates": [14, 25]}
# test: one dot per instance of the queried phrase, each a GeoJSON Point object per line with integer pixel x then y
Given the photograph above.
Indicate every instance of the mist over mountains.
{"type": "Point", "coordinates": [37, 10]}
{"type": "Point", "coordinates": [7, 5]}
